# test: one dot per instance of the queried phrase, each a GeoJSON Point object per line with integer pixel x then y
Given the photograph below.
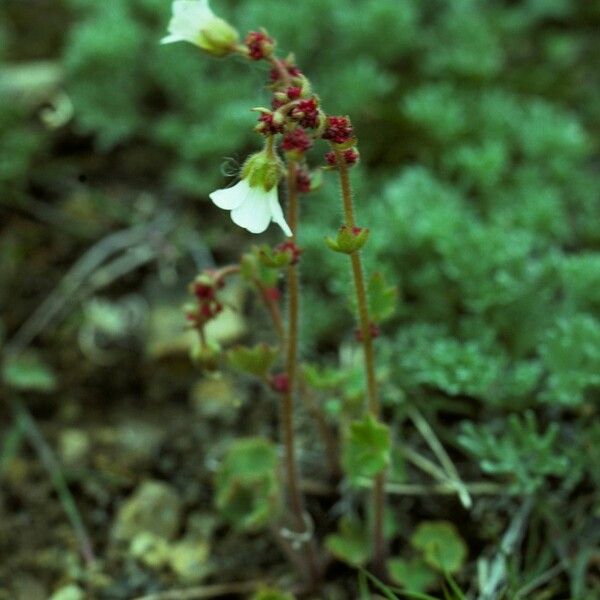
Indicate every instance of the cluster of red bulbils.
{"type": "Point", "coordinates": [296, 115]}
{"type": "Point", "coordinates": [207, 305]}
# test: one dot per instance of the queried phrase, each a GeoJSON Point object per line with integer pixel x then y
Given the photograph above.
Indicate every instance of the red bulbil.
{"type": "Point", "coordinates": [303, 181]}
{"type": "Point", "coordinates": [297, 139]}
{"type": "Point", "coordinates": [272, 294]}
{"type": "Point", "coordinates": [306, 112]}
{"type": "Point", "coordinates": [292, 249]}
{"type": "Point", "coordinates": [280, 382]}
{"type": "Point", "coordinates": [357, 230]}
{"type": "Point", "coordinates": [286, 67]}
{"type": "Point", "coordinates": [338, 130]}
{"type": "Point", "coordinates": [208, 310]}
{"type": "Point", "coordinates": [277, 103]}
{"type": "Point", "coordinates": [294, 92]}
{"type": "Point", "coordinates": [203, 291]}
{"type": "Point", "coordinates": [259, 45]}
{"type": "Point", "coordinates": [350, 157]}
{"type": "Point", "coordinates": [267, 124]}
{"type": "Point", "coordinates": [373, 329]}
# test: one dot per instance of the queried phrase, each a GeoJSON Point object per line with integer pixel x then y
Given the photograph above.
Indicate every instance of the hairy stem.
{"type": "Point", "coordinates": [287, 406]}
{"type": "Point", "coordinates": [379, 549]}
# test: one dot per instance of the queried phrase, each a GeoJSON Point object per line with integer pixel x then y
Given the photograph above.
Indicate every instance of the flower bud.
{"type": "Point", "coordinates": [259, 45]}
{"type": "Point", "coordinates": [291, 249]}
{"type": "Point", "coordinates": [349, 239]}
{"type": "Point", "coordinates": [283, 255]}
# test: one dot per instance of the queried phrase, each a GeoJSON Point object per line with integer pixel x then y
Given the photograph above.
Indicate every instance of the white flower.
{"type": "Point", "coordinates": [252, 208]}
{"type": "Point", "coordinates": [193, 21]}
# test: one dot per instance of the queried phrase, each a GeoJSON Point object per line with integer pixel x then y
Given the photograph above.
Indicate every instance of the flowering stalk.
{"type": "Point", "coordinates": [295, 121]}
{"type": "Point", "coordinates": [366, 338]}
{"type": "Point", "coordinates": [287, 403]}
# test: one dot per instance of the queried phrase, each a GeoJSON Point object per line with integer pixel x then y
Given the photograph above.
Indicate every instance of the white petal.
{"type": "Point", "coordinates": [189, 18]}
{"type": "Point", "coordinates": [195, 10]}
{"type": "Point", "coordinates": [277, 213]}
{"type": "Point", "coordinates": [168, 39]}
{"type": "Point", "coordinates": [254, 214]}
{"type": "Point", "coordinates": [230, 198]}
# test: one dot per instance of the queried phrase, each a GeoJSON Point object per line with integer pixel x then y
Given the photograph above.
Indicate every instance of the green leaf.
{"type": "Point", "coordinates": [366, 448]}
{"type": "Point", "coordinates": [383, 299]}
{"type": "Point", "coordinates": [443, 548]}
{"type": "Point", "coordinates": [255, 361]}
{"type": "Point", "coordinates": [27, 372]}
{"type": "Point", "coordinates": [247, 486]}
{"type": "Point", "coordinates": [351, 544]}
{"type": "Point", "coordinates": [413, 574]}
{"type": "Point", "coordinates": [324, 378]}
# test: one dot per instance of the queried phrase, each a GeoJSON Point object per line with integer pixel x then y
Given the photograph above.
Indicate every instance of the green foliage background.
{"type": "Point", "coordinates": [478, 125]}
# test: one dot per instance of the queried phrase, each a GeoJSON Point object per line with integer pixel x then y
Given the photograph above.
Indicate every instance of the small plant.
{"type": "Point", "coordinates": [520, 453]}
{"type": "Point", "coordinates": [294, 122]}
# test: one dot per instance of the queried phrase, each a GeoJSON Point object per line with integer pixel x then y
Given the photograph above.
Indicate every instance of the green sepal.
{"type": "Point", "coordinates": [252, 269]}
{"type": "Point", "coordinates": [351, 143]}
{"type": "Point", "coordinates": [255, 361]}
{"type": "Point", "coordinates": [263, 169]}
{"type": "Point", "coordinates": [273, 258]}
{"type": "Point", "coordinates": [218, 37]}
{"type": "Point", "coordinates": [347, 241]}
{"type": "Point", "coordinates": [262, 110]}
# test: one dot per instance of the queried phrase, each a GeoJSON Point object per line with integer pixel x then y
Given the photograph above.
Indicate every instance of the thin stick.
{"type": "Point", "coordinates": [325, 431]}
{"type": "Point", "coordinates": [379, 549]}
{"type": "Point", "coordinates": [70, 287]}
{"type": "Point", "coordinates": [313, 487]}
{"type": "Point", "coordinates": [272, 307]}
{"type": "Point", "coordinates": [46, 455]}
{"type": "Point", "coordinates": [287, 405]}
{"type": "Point", "coordinates": [438, 449]}
{"type": "Point", "coordinates": [206, 591]}
{"type": "Point", "coordinates": [491, 585]}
